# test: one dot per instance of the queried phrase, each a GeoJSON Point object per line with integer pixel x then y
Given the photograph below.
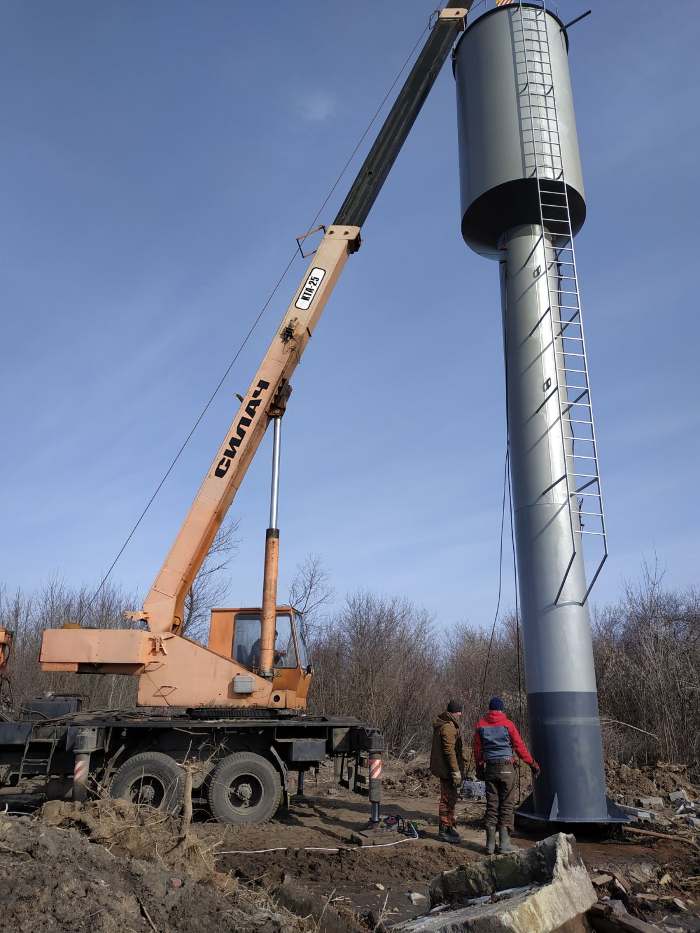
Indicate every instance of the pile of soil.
{"type": "Point", "coordinates": [410, 779]}
{"type": "Point", "coordinates": [131, 832]}
{"type": "Point", "coordinates": [669, 777]}
{"type": "Point", "coordinates": [413, 778]}
{"type": "Point", "coordinates": [626, 781]}
{"type": "Point", "coordinates": [56, 879]}
{"type": "Point", "coordinates": [659, 780]}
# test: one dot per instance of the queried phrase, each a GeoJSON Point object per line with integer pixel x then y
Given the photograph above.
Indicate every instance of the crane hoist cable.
{"type": "Point", "coordinates": [255, 322]}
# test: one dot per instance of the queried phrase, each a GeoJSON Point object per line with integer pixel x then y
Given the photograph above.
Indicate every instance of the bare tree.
{"type": "Point", "coordinates": [55, 603]}
{"type": "Point", "coordinates": [648, 656]}
{"type": "Point", "coordinates": [211, 586]}
{"type": "Point", "coordinates": [310, 592]}
{"type": "Point", "coordinates": [379, 659]}
{"type": "Point", "coordinates": [478, 664]}
{"type": "Point", "coordinates": [52, 606]}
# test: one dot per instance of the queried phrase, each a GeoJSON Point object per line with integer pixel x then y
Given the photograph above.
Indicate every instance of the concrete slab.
{"type": "Point", "coordinates": [650, 803]}
{"type": "Point", "coordinates": [545, 888]}
{"type": "Point", "coordinates": [642, 816]}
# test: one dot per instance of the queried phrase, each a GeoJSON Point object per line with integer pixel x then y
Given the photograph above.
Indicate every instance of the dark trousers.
{"type": "Point", "coordinates": [447, 804]}
{"type": "Point", "coordinates": [500, 793]}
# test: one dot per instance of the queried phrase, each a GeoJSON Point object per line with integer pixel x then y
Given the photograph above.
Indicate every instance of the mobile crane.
{"type": "Point", "coordinates": [237, 706]}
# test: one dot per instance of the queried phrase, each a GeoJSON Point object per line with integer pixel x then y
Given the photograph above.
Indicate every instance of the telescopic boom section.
{"type": "Point", "coordinates": [164, 606]}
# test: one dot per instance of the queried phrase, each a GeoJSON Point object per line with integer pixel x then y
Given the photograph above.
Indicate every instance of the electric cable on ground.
{"type": "Point", "coordinates": [378, 845]}
{"type": "Point", "coordinates": [252, 328]}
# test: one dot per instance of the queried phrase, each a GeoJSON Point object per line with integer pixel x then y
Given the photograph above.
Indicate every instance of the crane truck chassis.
{"type": "Point", "coordinates": [231, 713]}
{"type": "Point", "coordinates": [240, 765]}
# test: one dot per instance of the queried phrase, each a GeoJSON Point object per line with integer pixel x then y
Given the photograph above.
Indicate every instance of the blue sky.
{"type": "Point", "coordinates": [157, 162]}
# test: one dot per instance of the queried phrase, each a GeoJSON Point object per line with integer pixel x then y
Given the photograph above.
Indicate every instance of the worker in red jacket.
{"type": "Point", "coordinates": [496, 739]}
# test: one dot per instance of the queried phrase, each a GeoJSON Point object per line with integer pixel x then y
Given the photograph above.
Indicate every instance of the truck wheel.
{"type": "Point", "coordinates": [244, 788]}
{"type": "Point", "coordinates": [150, 778]}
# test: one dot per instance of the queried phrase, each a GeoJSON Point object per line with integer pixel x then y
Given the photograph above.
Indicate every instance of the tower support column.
{"type": "Point", "coordinates": [561, 685]}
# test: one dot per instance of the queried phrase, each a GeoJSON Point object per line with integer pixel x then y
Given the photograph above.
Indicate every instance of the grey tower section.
{"type": "Point", "coordinates": [515, 156]}
{"type": "Point", "coordinates": [559, 672]}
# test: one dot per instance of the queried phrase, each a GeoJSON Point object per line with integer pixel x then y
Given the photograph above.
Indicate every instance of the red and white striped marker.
{"type": "Point", "coordinates": [80, 772]}
{"type": "Point", "coordinates": [375, 768]}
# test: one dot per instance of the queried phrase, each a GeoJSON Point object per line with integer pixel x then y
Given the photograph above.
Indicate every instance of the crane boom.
{"type": "Point", "coordinates": [164, 604]}
{"type": "Point", "coordinates": [163, 607]}
{"type": "Point", "coordinates": [172, 669]}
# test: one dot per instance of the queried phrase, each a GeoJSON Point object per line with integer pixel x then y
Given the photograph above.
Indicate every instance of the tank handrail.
{"type": "Point", "coordinates": [480, 7]}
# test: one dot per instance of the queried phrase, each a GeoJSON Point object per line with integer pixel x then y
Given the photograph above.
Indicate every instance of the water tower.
{"type": "Point", "coordinates": [522, 203]}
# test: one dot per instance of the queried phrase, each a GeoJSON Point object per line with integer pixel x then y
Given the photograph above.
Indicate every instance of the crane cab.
{"type": "Point", "coordinates": [235, 634]}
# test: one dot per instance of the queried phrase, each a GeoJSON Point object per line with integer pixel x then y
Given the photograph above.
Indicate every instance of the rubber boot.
{"type": "Point", "coordinates": [448, 834]}
{"type": "Point", "coordinates": [504, 844]}
{"type": "Point", "coordinates": [490, 840]}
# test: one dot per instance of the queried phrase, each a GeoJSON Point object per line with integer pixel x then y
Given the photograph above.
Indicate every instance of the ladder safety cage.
{"type": "Point", "coordinates": [563, 316]}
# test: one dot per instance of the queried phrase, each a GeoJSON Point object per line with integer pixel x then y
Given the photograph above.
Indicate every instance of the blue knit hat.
{"type": "Point", "coordinates": [497, 703]}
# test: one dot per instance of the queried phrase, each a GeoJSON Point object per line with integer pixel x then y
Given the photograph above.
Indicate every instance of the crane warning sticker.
{"type": "Point", "coordinates": [308, 292]}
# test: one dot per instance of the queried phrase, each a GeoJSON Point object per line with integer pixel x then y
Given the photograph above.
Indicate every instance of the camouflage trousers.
{"type": "Point", "coordinates": [448, 801]}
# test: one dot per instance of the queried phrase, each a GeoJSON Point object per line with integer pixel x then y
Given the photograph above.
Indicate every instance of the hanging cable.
{"type": "Point", "coordinates": [517, 608]}
{"type": "Point", "coordinates": [512, 543]}
{"type": "Point", "coordinates": [517, 628]}
{"type": "Point", "coordinates": [506, 484]}
{"type": "Point", "coordinates": [254, 325]}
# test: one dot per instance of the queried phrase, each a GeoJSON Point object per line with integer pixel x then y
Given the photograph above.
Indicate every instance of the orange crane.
{"type": "Point", "coordinates": [235, 707]}
{"type": "Point", "coordinates": [172, 669]}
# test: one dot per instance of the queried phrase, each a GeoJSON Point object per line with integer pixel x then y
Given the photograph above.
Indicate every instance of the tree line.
{"type": "Point", "coordinates": [382, 658]}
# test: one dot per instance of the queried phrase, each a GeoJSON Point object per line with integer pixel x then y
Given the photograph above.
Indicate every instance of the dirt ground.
{"type": "Point", "coordinates": [353, 877]}
{"type": "Point", "coordinates": [106, 866]}
{"type": "Point", "coordinates": [56, 880]}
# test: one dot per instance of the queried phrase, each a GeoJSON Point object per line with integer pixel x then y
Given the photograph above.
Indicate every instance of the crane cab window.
{"type": "Point", "coordinates": [245, 648]}
{"type": "Point", "coordinates": [246, 639]}
{"type": "Point", "coordinates": [285, 650]}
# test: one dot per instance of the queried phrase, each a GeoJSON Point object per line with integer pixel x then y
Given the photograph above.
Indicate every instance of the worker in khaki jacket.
{"type": "Point", "coordinates": [447, 762]}
{"type": "Point", "coordinates": [496, 742]}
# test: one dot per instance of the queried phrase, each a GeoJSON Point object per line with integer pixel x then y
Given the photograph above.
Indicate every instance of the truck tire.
{"type": "Point", "coordinates": [150, 778]}
{"type": "Point", "coordinates": [244, 788]}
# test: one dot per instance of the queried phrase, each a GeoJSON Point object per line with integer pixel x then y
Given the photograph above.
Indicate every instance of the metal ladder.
{"type": "Point", "coordinates": [563, 316]}
{"type": "Point", "coordinates": [36, 762]}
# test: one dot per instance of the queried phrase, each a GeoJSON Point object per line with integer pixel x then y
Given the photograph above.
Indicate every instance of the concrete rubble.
{"type": "Point", "coordinates": [612, 917]}
{"type": "Point", "coordinates": [650, 803]}
{"type": "Point", "coordinates": [638, 814]}
{"type": "Point", "coordinates": [541, 889]}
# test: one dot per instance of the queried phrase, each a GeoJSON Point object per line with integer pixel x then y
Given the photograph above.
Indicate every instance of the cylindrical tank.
{"type": "Point", "coordinates": [496, 158]}
{"type": "Point", "coordinates": [522, 202]}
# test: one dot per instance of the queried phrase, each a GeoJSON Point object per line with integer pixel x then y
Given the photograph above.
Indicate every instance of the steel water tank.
{"type": "Point", "coordinates": [498, 167]}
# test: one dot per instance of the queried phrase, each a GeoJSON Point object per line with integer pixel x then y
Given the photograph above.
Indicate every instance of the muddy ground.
{"type": "Point", "coordinates": [106, 866]}
{"type": "Point", "coordinates": [352, 877]}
